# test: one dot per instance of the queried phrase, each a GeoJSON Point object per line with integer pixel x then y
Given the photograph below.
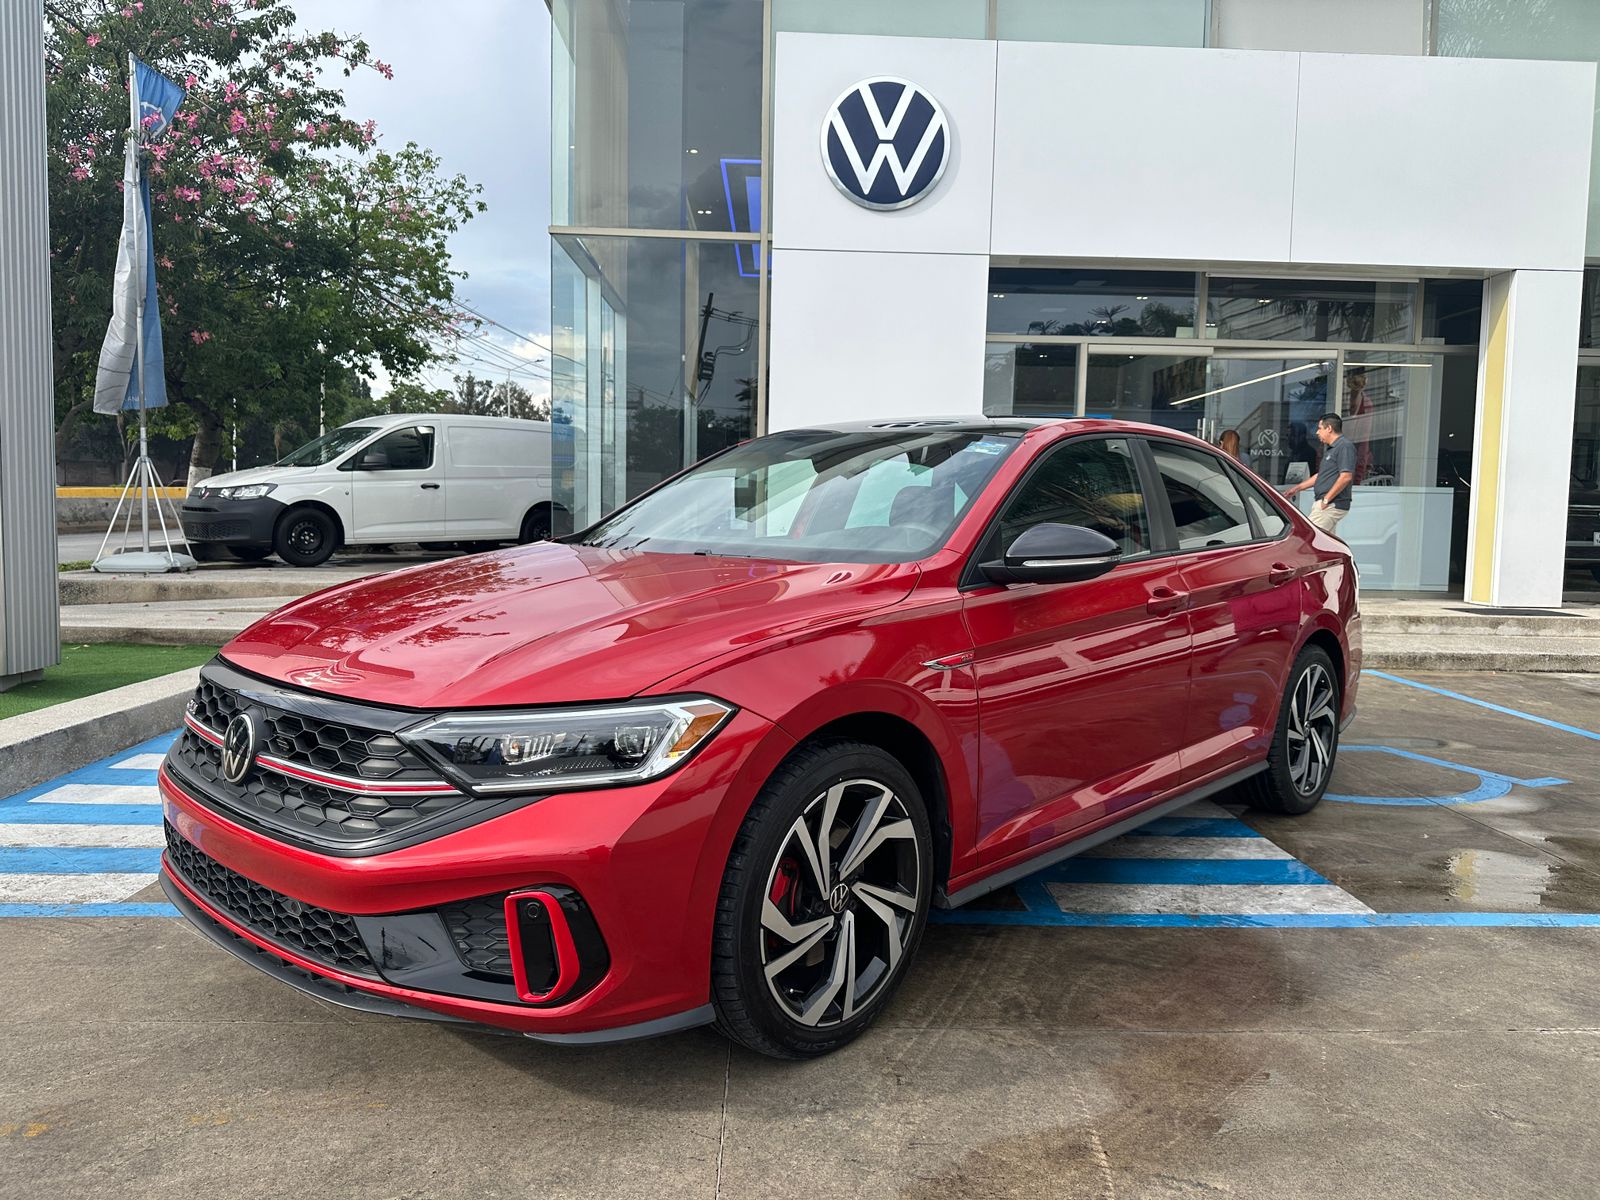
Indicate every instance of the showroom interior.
{"type": "Point", "coordinates": [709, 284]}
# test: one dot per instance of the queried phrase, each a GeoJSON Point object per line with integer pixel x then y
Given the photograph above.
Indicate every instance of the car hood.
{"type": "Point", "coordinates": [547, 624]}
{"type": "Point", "coordinates": [255, 475]}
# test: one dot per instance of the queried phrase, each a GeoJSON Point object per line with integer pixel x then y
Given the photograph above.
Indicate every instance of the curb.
{"type": "Point", "coordinates": [38, 746]}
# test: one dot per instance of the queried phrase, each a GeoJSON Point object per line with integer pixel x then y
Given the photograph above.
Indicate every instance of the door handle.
{"type": "Point", "coordinates": [1165, 600]}
{"type": "Point", "coordinates": [1281, 573]}
{"type": "Point", "coordinates": [430, 487]}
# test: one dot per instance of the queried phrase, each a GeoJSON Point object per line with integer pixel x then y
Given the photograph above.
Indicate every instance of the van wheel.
{"type": "Point", "coordinates": [823, 902]}
{"type": "Point", "coordinates": [536, 525]}
{"type": "Point", "coordinates": [1305, 743]}
{"type": "Point", "coordinates": [250, 553]}
{"type": "Point", "coordinates": [305, 537]}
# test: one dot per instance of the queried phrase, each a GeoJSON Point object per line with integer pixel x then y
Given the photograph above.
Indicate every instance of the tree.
{"type": "Point", "coordinates": [479, 397]}
{"type": "Point", "coordinates": [293, 252]}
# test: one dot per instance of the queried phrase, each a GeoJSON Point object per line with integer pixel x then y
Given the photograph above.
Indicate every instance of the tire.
{"type": "Point", "coordinates": [536, 525]}
{"type": "Point", "coordinates": [305, 537]}
{"type": "Point", "coordinates": [250, 553]}
{"type": "Point", "coordinates": [772, 902]}
{"type": "Point", "coordinates": [1293, 782]}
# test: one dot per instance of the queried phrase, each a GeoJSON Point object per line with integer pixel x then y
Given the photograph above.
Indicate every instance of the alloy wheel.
{"type": "Point", "coordinates": [840, 903]}
{"type": "Point", "coordinates": [1313, 729]}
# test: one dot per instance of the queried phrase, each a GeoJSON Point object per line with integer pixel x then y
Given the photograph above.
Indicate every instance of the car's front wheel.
{"type": "Point", "coordinates": [1305, 742]}
{"type": "Point", "coordinates": [306, 537]}
{"type": "Point", "coordinates": [823, 902]}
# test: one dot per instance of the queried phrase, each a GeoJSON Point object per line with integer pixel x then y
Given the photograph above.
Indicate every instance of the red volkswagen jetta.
{"type": "Point", "coordinates": [715, 757]}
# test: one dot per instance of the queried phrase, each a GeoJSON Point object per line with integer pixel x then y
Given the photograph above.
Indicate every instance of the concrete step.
{"type": "Point", "coordinates": [171, 623]}
{"type": "Point", "coordinates": [1409, 651]}
{"type": "Point", "coordinates": [233, 580]}
{"type": "Point", "coordinates": [1487, 624]}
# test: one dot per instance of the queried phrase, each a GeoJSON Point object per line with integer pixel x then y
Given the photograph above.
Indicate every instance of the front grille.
{"type": "Point", "coordinates": [327, 937]}
{"type": "Point", "coordinates": [216, 530]}
{"type": "Point", "coordinates": [478, 928]}
{"type": "Point", "coordinates": [317, 734]}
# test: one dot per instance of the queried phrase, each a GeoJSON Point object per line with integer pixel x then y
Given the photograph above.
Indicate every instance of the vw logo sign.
{"type": "Point", "coordinates": [885, 143]}
{"type": "Point", "coordinates": [838, 898]}
{"type": "Point", "coordinates": [238, 748]}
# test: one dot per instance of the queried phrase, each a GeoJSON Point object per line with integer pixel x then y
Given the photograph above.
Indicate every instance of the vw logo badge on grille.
{"type": "Point", "coordinates": [885, 143]}
{"type": "Point", "coordinates": [238, 748]}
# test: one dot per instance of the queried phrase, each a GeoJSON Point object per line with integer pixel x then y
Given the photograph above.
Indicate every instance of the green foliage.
{"type": "Point", "coordinates": [294, 253]}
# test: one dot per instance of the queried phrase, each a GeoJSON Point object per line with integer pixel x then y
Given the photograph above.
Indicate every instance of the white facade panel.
{"type": "Point", "coordinates": [1442, 162]}
{"type": "Point", "coordinates": [811, 71]}
{"type": "Point", "coordinates": [1336, 26]}
{"type": "Point", "coordinates": [859, 335]}
{"type": "Point", "coordinates": [1098, 153]}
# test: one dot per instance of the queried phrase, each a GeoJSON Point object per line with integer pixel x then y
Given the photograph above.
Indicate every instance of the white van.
{"type": "Point", "coordinates": [436, 479]}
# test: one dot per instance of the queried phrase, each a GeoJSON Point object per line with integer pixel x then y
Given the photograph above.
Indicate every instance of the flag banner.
{"type": "Point", "coordinates": [155, 98]}
{"type": "Point", "coordinates": [159, 98]}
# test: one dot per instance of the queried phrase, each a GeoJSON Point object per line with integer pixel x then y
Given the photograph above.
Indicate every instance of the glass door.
{"type": "Point", "coordinates": [1270, 403]}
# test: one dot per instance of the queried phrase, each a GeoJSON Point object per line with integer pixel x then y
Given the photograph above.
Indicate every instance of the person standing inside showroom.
{"type": "Point", "coordinates": [1335, 474]}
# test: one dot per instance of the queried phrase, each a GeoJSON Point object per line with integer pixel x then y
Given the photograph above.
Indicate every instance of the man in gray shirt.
{"type": "Point", "coordinates": [1335, 474]}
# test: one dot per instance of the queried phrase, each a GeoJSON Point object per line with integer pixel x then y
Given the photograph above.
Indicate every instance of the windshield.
{"type": "Point", "coordinates": [814, 495]}
{"type": "Point", "coordinates": [327, 447]}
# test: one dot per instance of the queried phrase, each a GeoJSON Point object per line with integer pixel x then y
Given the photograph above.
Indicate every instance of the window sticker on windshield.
{"type": "Point", "coordinates": [986, 447]}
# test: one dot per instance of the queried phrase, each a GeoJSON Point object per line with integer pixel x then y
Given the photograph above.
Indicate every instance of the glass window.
{"type": "Point", "coordinates": [1031, 381]}
{"type": "Point", "coordinates": [1589, 310]}
{"type": "Point", "coordinates": [327, 447]}
{"type": "Point", "coordinates": [1158, 389]}
{"type": "Point", "coordinates": [1271, 521]}
{"type": "Point", "coordinates": [1304, 310]}
{"type": "Point", "coordinates": [1452, 311]}
{"type": "Point", "coordinates": [900, 18]}
{"type": "Point", "coordinates": [1330, 26]}
{"type": "Point", "coordinates": [1206, 507]}
{"type": "Point", "coordinates": [656, 362]}
{"type": "Point", "coordinates": [1567, 30]}
{"type": "Point", "coordinates": [1093, 483]}
{"type": "Point", "coordinates": [861, 496]}
{"type": "Point", "coordinates": [1123, 304]}
{"type": "Point", "coordinates": [1118, 22]}
{"type": "Point", "coordinates": [656, 114]}
{"type": "Point", "coordinates": [409, 449]}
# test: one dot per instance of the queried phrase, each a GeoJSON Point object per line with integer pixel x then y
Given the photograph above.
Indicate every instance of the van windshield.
{"type": "Point", "coordinates": [814, 495]}
{"type": "Point", "coordinates": [327, 447]}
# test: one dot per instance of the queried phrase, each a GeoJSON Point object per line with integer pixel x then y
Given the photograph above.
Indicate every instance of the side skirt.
{"type": "Point", "coordinates": [1088, 841]}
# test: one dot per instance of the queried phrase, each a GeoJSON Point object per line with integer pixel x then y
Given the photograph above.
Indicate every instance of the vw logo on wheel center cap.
{"type": "Point", "coordinates": [885, 143]}
{"type": "Point", "coordinates": [838, 897]}
{"type": "Point", "coordinates": [238, 748]}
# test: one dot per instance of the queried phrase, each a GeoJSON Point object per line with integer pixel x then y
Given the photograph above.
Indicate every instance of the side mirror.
{"type": "Point", "coordinates": [1051, 553]}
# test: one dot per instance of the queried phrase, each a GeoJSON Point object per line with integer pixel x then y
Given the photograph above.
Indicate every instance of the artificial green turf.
{"type": "Point", "coordinates": [86, 670]}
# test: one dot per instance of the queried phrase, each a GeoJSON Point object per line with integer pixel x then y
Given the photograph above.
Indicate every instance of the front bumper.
{"type": "Point", "coordinates": [647, 861]}
{"type": "Point", "coordinates": [230, 522]}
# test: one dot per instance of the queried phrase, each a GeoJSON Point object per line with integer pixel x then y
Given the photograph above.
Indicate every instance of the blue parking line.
{"type": "Point", "coordinates": [87, 910]}
{"type": "Point", "coordinates": [1182, 870]}
{"type": "Point", "coordinates": [70, 860]}
{"type": "Point", "coordinates": [1499, 708]}
{"type": "Point", "coordinates": [39, 813]}
{"type": "Point", "coordinates": [1205, 827]}
{"type": "Point", "coordinates": [1472, 920]}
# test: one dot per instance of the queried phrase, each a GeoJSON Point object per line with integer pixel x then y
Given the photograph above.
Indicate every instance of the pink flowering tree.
{"type": "Point", "coordinates": [293, 248]}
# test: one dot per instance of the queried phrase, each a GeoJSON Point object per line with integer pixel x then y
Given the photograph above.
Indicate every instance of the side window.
{"type": "Point", "coordinates": [1206, 507]}
{"type": "Point", "coordinates": [1090, 483]}
{"type": "Point", "coordinates": [409, 449]}
{"type": "Point", "coordinates": [1271, 521]}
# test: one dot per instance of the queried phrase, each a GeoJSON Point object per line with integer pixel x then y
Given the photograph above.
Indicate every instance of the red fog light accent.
{"type": "Point", "coordinates": [544, 958]}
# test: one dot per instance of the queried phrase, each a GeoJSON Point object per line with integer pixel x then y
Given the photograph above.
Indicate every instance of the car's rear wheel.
{"type": "Point", "coordinates": [1305, 742]}
{"type": "Point", "coordinates": [823, 902]}
{"type": "Point", "coordinates": [306, 537]}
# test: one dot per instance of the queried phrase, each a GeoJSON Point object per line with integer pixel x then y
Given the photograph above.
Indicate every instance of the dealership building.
{"type": "Point", "coordinates": [1211, 215]}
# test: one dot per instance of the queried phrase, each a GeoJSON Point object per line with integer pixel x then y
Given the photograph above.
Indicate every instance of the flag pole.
{"type": "Point", "coordinates": [142, 467]}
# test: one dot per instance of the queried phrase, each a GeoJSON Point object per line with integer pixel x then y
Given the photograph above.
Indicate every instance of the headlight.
{"type": "Point", "coordinates": [562, 749]}
{"type": "Point", "coordinates": [246, 491]}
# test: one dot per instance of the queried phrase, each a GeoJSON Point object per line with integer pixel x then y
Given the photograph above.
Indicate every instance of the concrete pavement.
{"type": "Point", "coordinates": [1446, 1045]}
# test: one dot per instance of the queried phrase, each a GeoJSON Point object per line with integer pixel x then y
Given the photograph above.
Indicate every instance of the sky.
{"type": "Point", "coordinates": [472, 83]}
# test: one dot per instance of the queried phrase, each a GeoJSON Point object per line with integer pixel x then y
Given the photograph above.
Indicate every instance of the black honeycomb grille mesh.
{"type": "Point", "coordinates": [328, 937]}
{"type": "Point", "coordinates": [328, 814]}
{"type": "Point", "coordinates": [478, 928]}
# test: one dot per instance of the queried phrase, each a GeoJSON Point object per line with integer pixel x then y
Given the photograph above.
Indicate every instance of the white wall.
{"type": "Point", "coordinates": [1340, 26]}
{"type": "Point", "coordinates": [861, 335]}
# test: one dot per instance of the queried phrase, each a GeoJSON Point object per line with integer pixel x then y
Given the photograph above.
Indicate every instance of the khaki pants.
{"type": "Point", "coordinates": [1327, 519]}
